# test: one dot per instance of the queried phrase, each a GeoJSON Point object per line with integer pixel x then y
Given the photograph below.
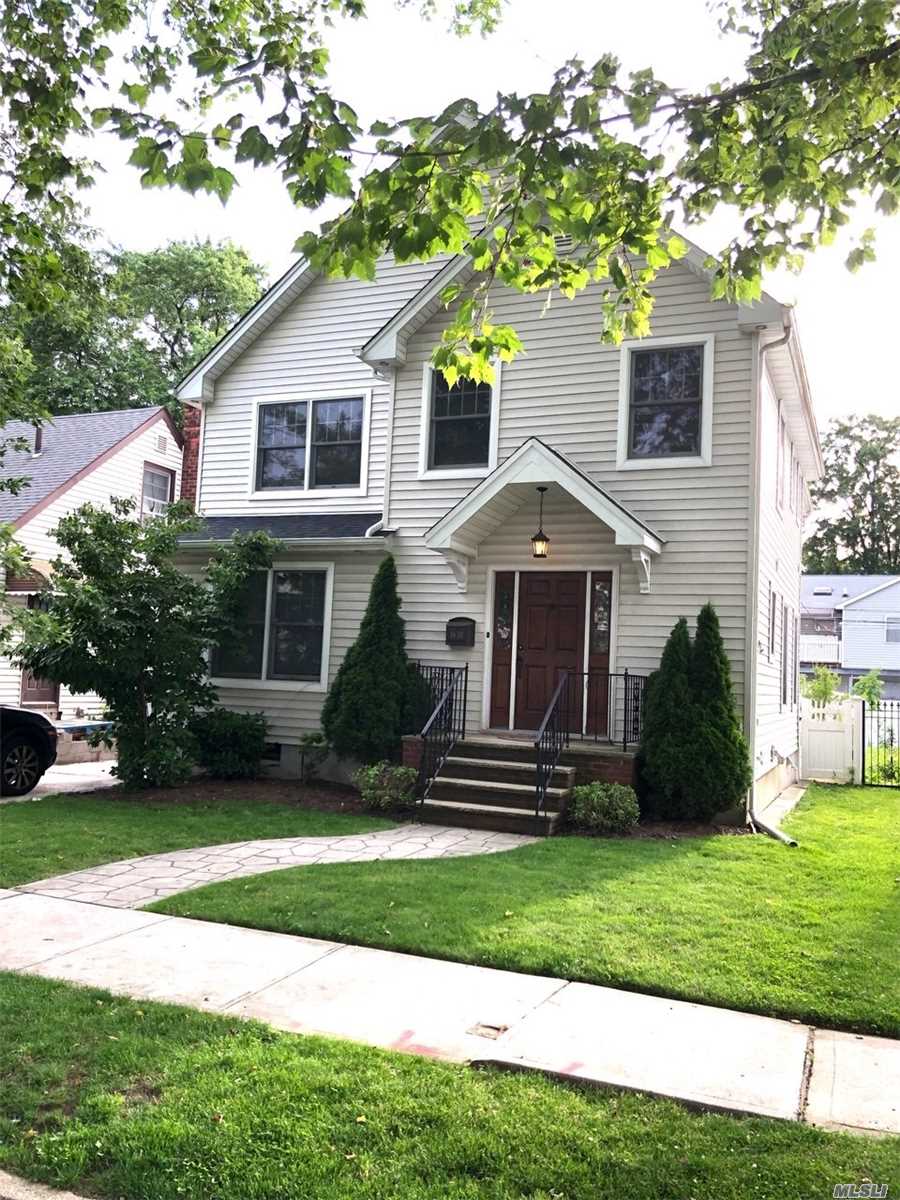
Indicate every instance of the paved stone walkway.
{"type": "Point", "coordinates": [712, 1057]}
{"type": "Point", "coordinates": [134, 882]}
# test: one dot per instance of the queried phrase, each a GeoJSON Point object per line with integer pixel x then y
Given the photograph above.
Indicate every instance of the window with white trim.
{"type": "Point", "coordinates": [283, 634]}
{"type": "Point", "coordinates": [310, 444]}
{"type": "Point", "coordinates": [157, 490]}
{"type": "Point", "coordinates": [665, 402]}
{"type": "Point", "coordinates": [459, 428]}
{"type": "Point", "coordinates": [892, 629]}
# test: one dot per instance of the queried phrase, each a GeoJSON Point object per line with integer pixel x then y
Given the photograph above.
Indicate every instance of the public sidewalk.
{"type": "Point", "coordinates": [710, 1057]}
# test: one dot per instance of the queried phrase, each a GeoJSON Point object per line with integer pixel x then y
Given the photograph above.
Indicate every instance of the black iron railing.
{"type": "Point", "coordinates": [447, 724]}
{"type": "Point", "coordinates": [606, 707]}
{"type": "Point", "coordinates": [881, 743]}
{"type": "Point", "coordinates": [552, 738]}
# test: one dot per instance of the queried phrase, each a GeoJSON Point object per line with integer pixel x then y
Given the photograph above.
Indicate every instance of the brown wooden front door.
{"type": "Point", "coordinates": [38, 691]}
{"type": "Point", "coordinates": [550, 639]}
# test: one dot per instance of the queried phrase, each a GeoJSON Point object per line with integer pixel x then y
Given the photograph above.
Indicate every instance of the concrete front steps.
{"type": "Point", "coordinates": [489, 783]}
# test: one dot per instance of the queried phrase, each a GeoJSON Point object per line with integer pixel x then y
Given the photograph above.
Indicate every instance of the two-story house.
{"type": "Point", "coordinates": [73, 460]}
{"type": "Point", "coordinates": [851, 623]}
{"type": "Point", "coordinates": [663, 473]}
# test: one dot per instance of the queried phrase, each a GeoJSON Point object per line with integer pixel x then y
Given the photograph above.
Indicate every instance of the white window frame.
{"type": "Point", "coordinates": [704, 458]}
{"type": "Point", "coordinates": [171, 481]}
{"type": "Point", "coordinates": [309, 398]}
{"type": "Point", "coordinates": [289, 685]}
{"type": "Point", "coordinates": [889, 623]}
{"type": "Point", "coordinates": [426, 472]}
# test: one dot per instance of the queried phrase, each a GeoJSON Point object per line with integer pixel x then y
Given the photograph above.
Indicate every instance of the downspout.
{"type": "Point", "coordinates": [752, 819]}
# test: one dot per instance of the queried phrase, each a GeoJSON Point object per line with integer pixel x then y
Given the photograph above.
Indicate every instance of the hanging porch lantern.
{"type": "Point", "coordinates": [540, 543]}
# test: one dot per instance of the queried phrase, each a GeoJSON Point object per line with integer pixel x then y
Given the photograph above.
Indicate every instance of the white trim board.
{"type": "Point", "coordinates": [427, 472]}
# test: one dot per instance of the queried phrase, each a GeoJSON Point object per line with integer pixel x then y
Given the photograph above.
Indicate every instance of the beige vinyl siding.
{"type": "Point", "coordinates": [565, 390]}
{"type": "Point", "coordinates": [310, 349]}
{"type": "Point", "coordinates": [776, 726]}
{"type": "Point", "coordinates": [120, 475]}
{"type": "Point", "coordinates": [294, 711]}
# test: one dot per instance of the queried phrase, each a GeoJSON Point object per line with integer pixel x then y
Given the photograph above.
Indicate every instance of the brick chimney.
{"type": "Point", "coordinates": [190, 430]}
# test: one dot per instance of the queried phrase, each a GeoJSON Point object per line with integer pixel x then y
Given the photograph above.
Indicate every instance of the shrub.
{"type": "Point", "coordinates": [230, 745]}
{"type": "Point", "coordinates": [605, 807]}
{"type": "Point", "coordinates": [665, 745]}
{"type": "Point", "coordinates": [384, 785]}
{"type": "Point", "coordinates": [313, 749]}
{"type": "Point", "coordinates": [369, 706]}
{"type": "Point", "coordinates": [870, 687]}
{"type": "Point", "coordinates": [823, 687]}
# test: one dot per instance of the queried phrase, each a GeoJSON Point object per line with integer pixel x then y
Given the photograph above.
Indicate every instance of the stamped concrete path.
{"type": "Point", "coordinates": [134, 882]}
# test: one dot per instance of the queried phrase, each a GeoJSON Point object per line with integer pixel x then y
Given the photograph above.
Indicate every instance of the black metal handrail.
{"type": "Point", "coordinates": [551, 740]}
{"type": "Point", "coordinates": [606, 706]}
{"type": "Point", "coordinates": [447, 724]}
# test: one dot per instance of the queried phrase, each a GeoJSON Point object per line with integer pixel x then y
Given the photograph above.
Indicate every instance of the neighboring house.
{"type": "Point", "coordinates": [72, 460]}
{"type": "Point", "coordinates": [851, 623]}
{"type": "Point", "coordinates": [673, 470]}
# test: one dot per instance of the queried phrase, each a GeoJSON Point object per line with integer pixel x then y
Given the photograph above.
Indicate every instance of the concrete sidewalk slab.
{"type": "Point", "coordinates": [35, 928]}
{"type": "Point", "coordinates": [188, 962]}
{"type": "Point", "coordinates": [402, 1002]}
{"type": "Point", "coordinates": [855, 1082]}
{"type": "Point", "coordinates": [14, 1188]}
{"type": "Point", "coordinates": [712, 1057]}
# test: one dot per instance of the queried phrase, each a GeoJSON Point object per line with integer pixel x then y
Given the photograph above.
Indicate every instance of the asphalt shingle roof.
{"type": "Point", "coordinates": [69, 444]}
{"type": "Point", "coordinates": [843, 587]}
{"type": "Point", "coordinates": [329, 526]}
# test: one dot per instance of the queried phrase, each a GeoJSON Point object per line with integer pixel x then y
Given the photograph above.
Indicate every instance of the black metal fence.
{"type": "Point", "coordinates": [602, 707]}
{"type": "Point", "coordinates": [881, 743]}
{"type": "Point", "coordinates": [447, 724]}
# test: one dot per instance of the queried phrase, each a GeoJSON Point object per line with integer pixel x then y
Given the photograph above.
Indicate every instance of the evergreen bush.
{"type": "Point", "coordinates": [604, 808]}
{"type": "Point", "coordinates": [665, 743]}
{"type": "Point", "coordinates": [230, 745]}
{"type": "Point", "coordinates": [386, 786]}
{"type": "Point", "coordinates": [371, 702]}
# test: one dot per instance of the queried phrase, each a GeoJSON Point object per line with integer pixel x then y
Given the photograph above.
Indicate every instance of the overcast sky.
{"type": "Point", "coordinates": [394, 64]}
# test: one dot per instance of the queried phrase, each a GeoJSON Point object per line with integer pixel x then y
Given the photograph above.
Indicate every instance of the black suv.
{"type": "Point", "coordinates": [27, 749]}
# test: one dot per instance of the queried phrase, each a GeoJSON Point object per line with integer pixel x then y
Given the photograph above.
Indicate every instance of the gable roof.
{"type": "Point", "coordinates": [880, 587]}
{"type": "Point", "coordinates": [71, 447]}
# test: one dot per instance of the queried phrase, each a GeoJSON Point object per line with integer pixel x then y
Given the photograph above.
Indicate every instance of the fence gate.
{"type": "Point", "coordinates": [829, 740]}
{"type": "Point", "coordinates": [880, 743]}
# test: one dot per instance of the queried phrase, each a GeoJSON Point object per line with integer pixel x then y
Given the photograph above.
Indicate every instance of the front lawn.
{"type": "Point", "coordinates": [152, 1102]}
{"type": "Point", "coordinates": [744, 922]}
{"type": "Point", "coordinates": [57, 834]}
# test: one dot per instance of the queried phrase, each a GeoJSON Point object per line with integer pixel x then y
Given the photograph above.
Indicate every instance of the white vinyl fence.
{"type": "Point", "coordinates": [830, 740]}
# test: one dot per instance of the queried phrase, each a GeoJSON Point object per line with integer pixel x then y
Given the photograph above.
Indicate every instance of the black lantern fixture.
{"type": "Point", "coordinates": [540, 543]}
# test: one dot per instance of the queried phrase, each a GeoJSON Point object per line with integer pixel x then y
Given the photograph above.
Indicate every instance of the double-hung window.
{"type": "Point", "coordinates": [283, 629]}
{"type": "Point", "coordinates": [665, 409]}
{"type": "Point", "coordinates": [892, 629]}
{"type": "Point", "coordinates": [459, 426]}
{"type": "Point", "coordinates": [157, 491]}
{"type": "Point", "coordinates": [311, 444]}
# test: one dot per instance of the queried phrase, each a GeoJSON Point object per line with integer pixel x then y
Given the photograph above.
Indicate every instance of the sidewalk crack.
{"type": "Point", "coordinates": [806, 1077]}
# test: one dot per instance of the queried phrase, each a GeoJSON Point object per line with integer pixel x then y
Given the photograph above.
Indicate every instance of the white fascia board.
{"type": "Point", "coordinates": [535, 463]}
{"type": "Point", "coordinates": [197, 385]}
{"type": "Point", "coordinates": [871, 592]}
{"type": "Point", "coordinates": [388, 346]}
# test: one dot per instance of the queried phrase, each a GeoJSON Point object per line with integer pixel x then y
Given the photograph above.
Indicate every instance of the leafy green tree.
{"type": "Point", "coordinates": [368, 708]}
{"type": "Point", "coordinates": [125, 622]}
{"type": "Point", "coordinates": [858, 498]}
{"type": "Point", "coordinates": [719, 773]}
{"type": "Point", "coordinates": [870, 687]}
{"type": "Point", "coordinates": [605, 158]}
{"type": "Point", "coordinates": [824, 685]}
{"type": "Point", "coordinates": [666, 731]}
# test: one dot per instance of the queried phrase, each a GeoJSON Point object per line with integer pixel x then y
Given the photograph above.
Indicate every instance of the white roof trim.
{"type": "Point", "coordinates": [198, 383]}
{"type": "Point", "coordinates": [388, 345]}
{"type": "Point", "coordinates": [535, 462]}
{"type": "Point", "coordinates": [871, 592]}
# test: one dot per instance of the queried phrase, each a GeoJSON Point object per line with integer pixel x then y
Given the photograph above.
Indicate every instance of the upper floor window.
{"type": "Point", "coordinates": [459, 426]}
{"type": "Point", "coordinates": [892, 629]}
{"type": "Point", "coordinates": [665, 410]}
{"type": "Point", "coordinates": [157, 490]}
{"type": "Point", "coordinates": [311, 444]}
{"type": "Point", "coordinates": [283, 632]}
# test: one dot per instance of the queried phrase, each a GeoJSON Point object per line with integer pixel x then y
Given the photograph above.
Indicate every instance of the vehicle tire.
{"type": "Point", "coordinates": [21, 765]}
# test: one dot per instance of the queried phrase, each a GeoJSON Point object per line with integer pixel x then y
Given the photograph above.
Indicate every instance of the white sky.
{"type": "Point", "coordinates": [394, 64]}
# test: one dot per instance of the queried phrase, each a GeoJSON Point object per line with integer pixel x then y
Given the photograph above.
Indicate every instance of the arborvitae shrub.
{"type": "Point", "coordinates": [371, 702]}
{"type": "Point", "coordinates": [665, 744]}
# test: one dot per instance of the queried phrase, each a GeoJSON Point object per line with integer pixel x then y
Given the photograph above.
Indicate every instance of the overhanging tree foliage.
{"type": "Point", "coordinates": [858, 500]}
{"type": "Point", "coordinates": [605, 158]}
{"type": "Point", "coordinates": [122, 620]}
{"type": "Point", "coordinates": [375, 694]}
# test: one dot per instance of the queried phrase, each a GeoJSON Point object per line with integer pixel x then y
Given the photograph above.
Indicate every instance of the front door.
{"type": "Point", "coordinates": [550, 639]}
{"type": "Point", "coordinates": [38, 691]}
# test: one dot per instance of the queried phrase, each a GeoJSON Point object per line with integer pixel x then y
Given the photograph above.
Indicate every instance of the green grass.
{"type": "Point", "coordinates": [56, 834]}
{"type": "Point", "coordinates": [152, 1102]}
{"type": "Point", "coordinates": [743, 922]}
